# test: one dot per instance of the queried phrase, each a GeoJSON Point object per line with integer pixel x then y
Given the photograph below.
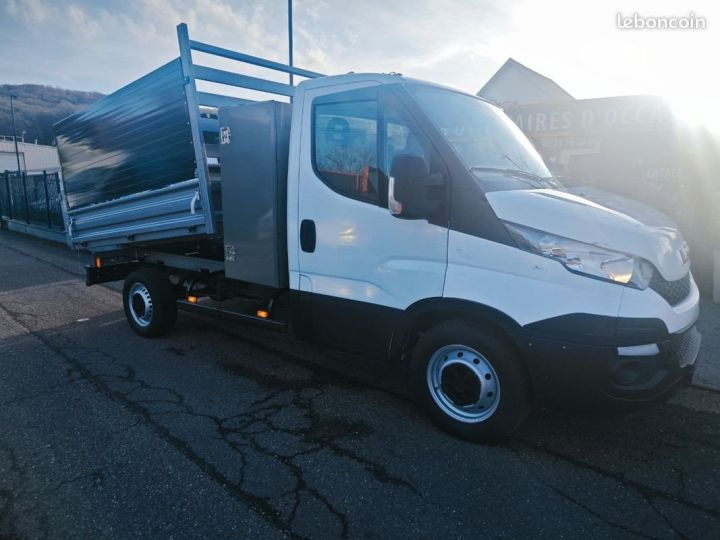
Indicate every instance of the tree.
{"type": "Point", "coordinates": [38, 107]}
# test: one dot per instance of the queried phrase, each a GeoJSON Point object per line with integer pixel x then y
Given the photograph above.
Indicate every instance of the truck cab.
{"type": "Point", "coordinates": [411, 205]}
{"type": "Point", "coordinates": [415, 223]}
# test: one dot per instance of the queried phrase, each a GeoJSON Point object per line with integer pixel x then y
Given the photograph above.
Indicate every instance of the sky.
{"type": "Point", "coordinates": [94, 45]}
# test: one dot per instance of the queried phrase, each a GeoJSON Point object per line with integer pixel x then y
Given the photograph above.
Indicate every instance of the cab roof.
{"type": "Point", "coordinates": [380, 78]}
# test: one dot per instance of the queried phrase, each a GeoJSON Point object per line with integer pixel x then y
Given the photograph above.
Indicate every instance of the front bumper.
{"type": "Point", "coordinates": [596, 373]}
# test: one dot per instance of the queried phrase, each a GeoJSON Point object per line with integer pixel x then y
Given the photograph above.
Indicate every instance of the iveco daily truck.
{"type": "Point", "coordinates": [388, 216]}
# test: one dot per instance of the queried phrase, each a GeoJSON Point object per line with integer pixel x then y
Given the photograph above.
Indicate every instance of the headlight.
{"type": "Point", "coordinates": [584, 258]}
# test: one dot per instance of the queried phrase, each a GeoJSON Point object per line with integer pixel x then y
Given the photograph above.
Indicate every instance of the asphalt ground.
{"type": "Point", "coordinates": [224, 430]}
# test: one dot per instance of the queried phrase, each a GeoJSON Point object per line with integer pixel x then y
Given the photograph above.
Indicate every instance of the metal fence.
{"type": "Point", "coordinates": [33, 199]}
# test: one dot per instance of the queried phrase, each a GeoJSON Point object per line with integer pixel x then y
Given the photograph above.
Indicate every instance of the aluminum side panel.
{"type": "Point", "coordinates": [131, 169]}
{"type": "Point", "coordinates": [135, 139]}
{"type": "Point", "coordinates": [170, 212]}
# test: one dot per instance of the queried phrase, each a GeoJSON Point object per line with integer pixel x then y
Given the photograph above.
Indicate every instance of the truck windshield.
{"type": "Point", "coordinates": [490, 144]}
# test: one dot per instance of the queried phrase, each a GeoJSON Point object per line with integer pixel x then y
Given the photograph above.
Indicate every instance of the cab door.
{"type": "Point", "coordinates": [359, 265]}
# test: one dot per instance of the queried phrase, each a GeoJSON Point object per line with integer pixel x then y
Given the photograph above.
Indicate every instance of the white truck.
{"type": "Point", "coordinates": [384, 215]}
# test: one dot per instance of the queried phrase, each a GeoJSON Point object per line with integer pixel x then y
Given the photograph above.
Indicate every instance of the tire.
{"type": "Point", "coordinates": [149, 302]}
{"type": "Point", "coordinates": [472, 381]}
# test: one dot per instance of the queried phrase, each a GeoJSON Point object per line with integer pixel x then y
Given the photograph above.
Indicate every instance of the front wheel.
{"type": "Point", "coordinates": [472, 382]}
{"type": "Point", "coordinates": [149, 302]}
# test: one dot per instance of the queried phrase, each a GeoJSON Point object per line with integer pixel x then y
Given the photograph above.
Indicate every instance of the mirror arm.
{"type": "Point", "coordinates": [394, 205]}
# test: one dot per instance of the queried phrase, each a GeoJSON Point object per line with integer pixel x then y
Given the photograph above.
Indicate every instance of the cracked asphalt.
{"type": "Point", "coordinates": [222, 430]}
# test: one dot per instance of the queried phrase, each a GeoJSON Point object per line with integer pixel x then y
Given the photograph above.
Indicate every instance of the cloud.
{"type": "Point", "coordinates": [579, 45]}
{"type": "Point", "coordinates": [394, 35]}
{"type": "Point", "coordinates": [29, 11]}
{"type": "Point", "coordinates": [92, 45]}
{"type": "Point", "coordinates": [101, 46]}
{"type": "Point", "coordinates": [81, 22]}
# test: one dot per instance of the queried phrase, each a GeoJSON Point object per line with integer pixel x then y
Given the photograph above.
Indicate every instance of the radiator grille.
{"type": "Point", "coordinates": [673, 292]}
{"type": "Point", "coordinates": [685, 346]}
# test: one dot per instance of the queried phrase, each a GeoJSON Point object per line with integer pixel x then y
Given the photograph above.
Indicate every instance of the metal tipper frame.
{"type": "Point", "coordinates": [191, 72]}
{"type": "Point", "coordinates": [195, 99]}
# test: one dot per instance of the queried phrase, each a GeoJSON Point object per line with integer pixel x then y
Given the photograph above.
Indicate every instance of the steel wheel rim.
{"type": "Point", "coordinates": [140, 304]}
{"type": "Point", "coordinates": [463, 383]}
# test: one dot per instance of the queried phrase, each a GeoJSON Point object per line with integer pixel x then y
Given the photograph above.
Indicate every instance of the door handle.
{"type": "Point", "coordinates": [307, 235]}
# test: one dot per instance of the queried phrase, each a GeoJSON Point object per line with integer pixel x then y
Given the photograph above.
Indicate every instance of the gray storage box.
{"type": "Point", "coordinates": [254, 142]}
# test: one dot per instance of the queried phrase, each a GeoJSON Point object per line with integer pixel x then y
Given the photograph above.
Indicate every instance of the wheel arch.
{"type": "Point", "coordinates": [431, 311]}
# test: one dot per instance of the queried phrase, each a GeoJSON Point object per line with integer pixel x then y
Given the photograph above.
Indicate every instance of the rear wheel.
{"type": "Point", "coordinates": [472, 381]}
{"type": "Point", "coordinates": [149, 302]}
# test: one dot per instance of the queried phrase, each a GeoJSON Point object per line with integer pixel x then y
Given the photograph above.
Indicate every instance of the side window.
{"type": "Point", "coordinates": [402, 137]}
{"type": "Point", "coordinates": [345, 147]}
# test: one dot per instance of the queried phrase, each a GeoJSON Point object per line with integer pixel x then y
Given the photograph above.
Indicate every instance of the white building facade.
{"type": "Point", "coordinates": [34, 158]}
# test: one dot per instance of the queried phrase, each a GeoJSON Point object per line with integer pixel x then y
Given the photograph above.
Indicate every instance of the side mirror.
{"type": "Point", "coordinates": [413, 193]}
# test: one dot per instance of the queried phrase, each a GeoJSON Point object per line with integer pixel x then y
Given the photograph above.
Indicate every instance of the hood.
{"type": "Point", "coordinates": [641, 212]}
{"type": "Point", "coordinates": [577, 218]}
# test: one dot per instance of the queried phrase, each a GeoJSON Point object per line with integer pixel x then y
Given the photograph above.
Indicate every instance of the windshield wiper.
{"type": "Point", "coordinates": [511, 160]}
{"type": "Point", "coordinates": [535, 180]}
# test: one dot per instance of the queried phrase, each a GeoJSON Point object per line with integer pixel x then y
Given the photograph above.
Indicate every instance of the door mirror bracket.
{"type": "Point", "coordinates": [413, 193]}
{"type": "Point", "coordinates": [394, 205]}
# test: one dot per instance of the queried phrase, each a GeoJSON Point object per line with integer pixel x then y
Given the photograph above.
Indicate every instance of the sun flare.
{"type": "Point", "coordinates": [696, 112]}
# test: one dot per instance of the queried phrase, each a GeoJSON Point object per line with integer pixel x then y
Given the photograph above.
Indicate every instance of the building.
{"type": "Point", "coordinates": [633, 146]}
{"type": "Point", "coordinates": [515, 83]}
{"type": "Point", "coordinates": [34, 158]}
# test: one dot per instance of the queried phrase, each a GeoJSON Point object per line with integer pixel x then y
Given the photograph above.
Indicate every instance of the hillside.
{"type": "Point", "coordinates": [38, 107]}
